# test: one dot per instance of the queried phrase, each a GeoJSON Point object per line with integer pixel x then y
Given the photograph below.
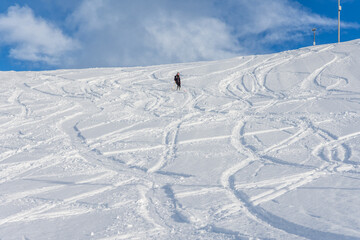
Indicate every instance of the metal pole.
{"type": "Point", "coordinates": [339, 9]}
{"type": "Point", "coordinates": [314, 29]}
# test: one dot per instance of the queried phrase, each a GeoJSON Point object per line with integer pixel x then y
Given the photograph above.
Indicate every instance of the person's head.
{"type": "Point", "coordinates": [178, 74]}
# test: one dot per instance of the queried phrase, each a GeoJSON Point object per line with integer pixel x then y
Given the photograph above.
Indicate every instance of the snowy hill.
{"type": "Point", "coordinates": [256, 147]}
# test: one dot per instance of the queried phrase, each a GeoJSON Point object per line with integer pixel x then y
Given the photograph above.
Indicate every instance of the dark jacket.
{"type": "Point", "coordinates": [177, 80]}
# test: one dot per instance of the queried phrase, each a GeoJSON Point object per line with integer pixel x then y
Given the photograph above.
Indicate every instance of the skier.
{"type": "Point", "coordinates": [177, 81]}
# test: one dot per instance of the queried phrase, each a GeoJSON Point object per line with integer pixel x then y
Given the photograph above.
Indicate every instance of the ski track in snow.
{"type": "Point", "coordinates": [221, 159]}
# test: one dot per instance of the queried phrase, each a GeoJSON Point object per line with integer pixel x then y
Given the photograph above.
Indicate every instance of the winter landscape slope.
{"type": "Point", "coordinates": [255, 147]}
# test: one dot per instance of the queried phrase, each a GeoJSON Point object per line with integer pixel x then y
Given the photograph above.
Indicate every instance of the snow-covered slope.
{"type": "Point", "coordinates": [256, 147]}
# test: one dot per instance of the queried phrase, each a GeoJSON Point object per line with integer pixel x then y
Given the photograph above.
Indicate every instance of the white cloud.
{"type": "Point", "coordinates": [190, 40]}
{"type": "Point", "coordinates": [127, 33]}
{"type": "Point", "coordinates": [32, 38]}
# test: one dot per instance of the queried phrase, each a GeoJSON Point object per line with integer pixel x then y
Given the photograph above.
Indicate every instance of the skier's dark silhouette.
{"type": "Point", "coordinates": [177, 81]}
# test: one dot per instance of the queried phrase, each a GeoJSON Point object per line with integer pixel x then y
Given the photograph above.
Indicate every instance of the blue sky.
{"type": "Point", "coordinates": [43, 34]}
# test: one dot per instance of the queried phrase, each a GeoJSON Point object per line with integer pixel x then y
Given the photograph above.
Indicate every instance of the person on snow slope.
{"type": "Point", "coordinates": [177, 81]}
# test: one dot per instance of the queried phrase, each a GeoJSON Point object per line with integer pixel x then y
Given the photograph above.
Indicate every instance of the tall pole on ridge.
{"type": "Point", "coordinates": [314, 30]}
{"type": "Point", "coordinates": [339, 9]}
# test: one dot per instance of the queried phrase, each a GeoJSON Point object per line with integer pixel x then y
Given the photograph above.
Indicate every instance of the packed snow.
{"type": "Point", "coordinates": [254, 147]}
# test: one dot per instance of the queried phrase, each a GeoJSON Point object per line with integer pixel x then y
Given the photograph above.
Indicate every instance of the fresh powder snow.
{"type": "Point", "coordinates": [254, 147]}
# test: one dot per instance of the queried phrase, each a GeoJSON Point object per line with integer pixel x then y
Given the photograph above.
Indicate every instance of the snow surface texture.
{"type": "Point", "coordinates": [255, 147]}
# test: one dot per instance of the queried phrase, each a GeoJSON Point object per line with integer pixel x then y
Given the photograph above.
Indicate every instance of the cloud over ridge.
{"type": "Point", "coordinates": [32, 38]}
